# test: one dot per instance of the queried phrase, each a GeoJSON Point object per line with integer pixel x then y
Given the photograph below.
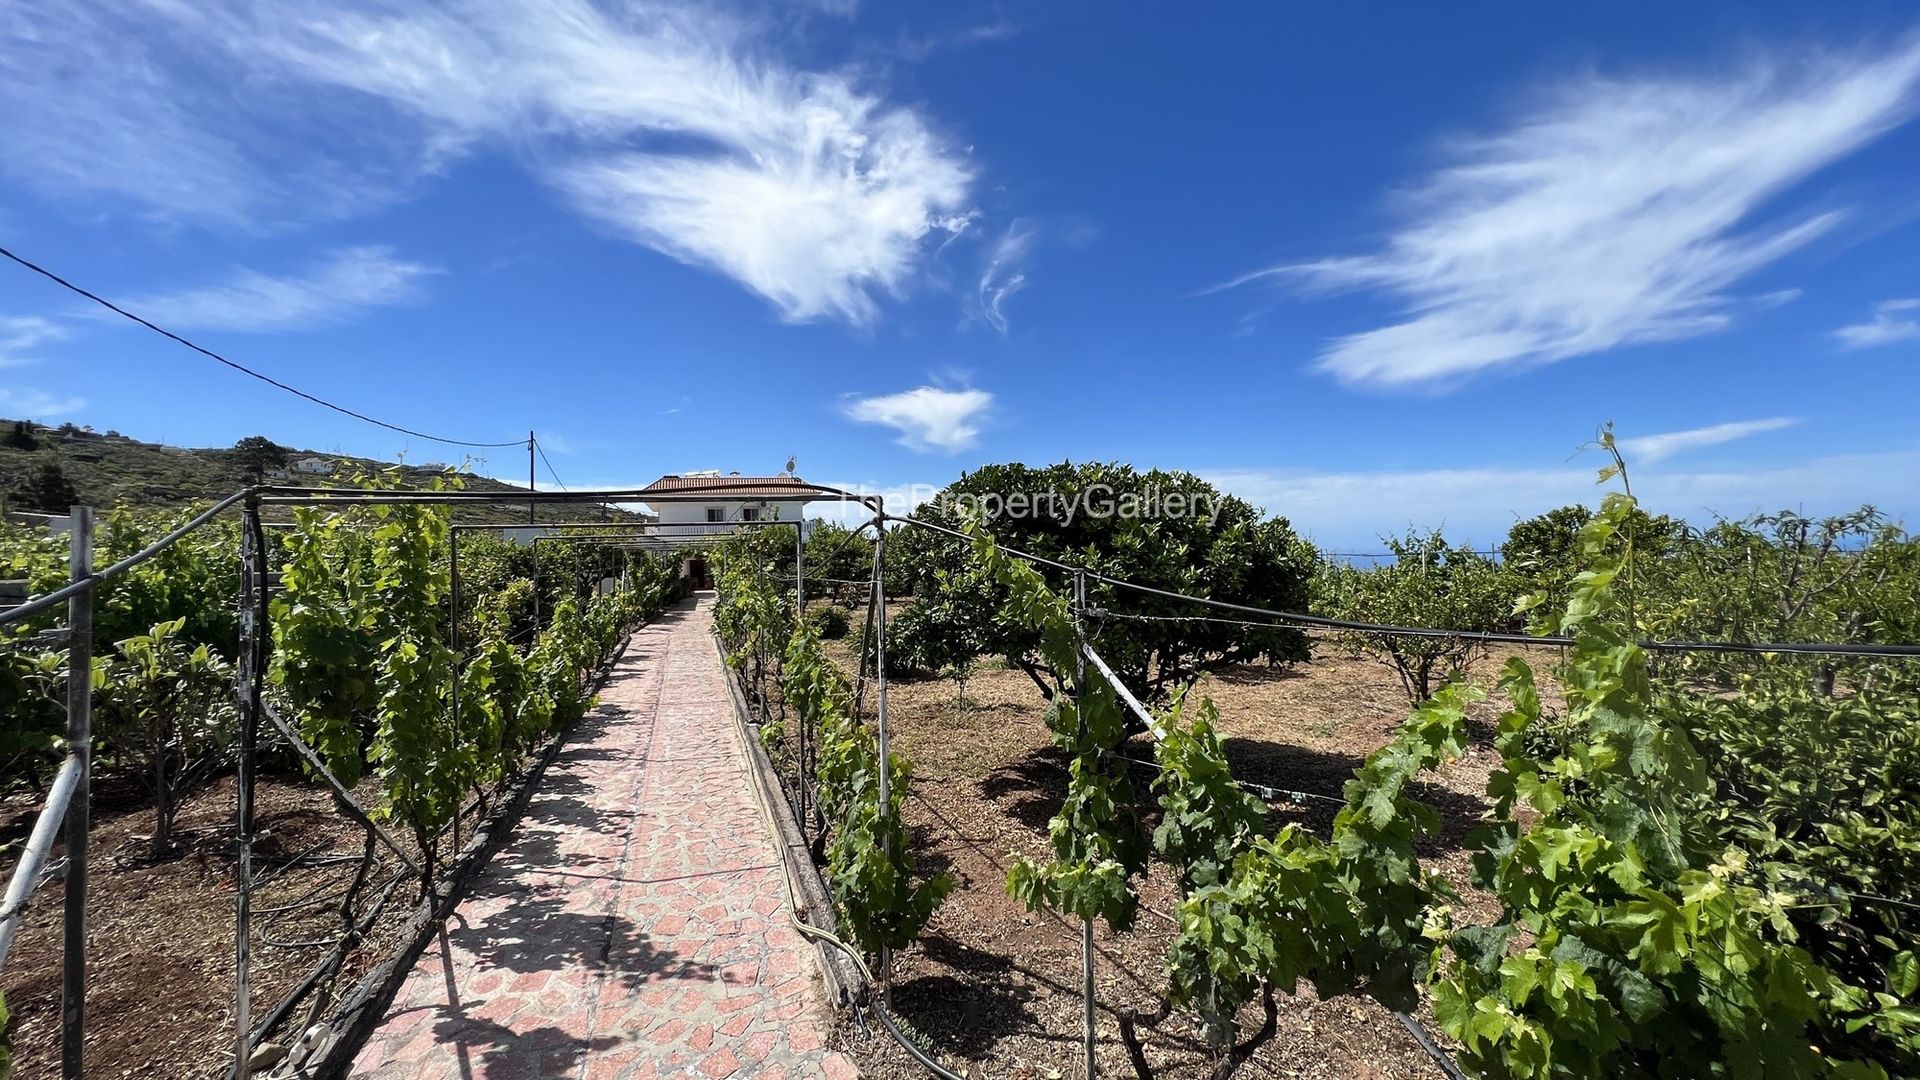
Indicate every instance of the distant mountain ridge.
{"type": "Point", "coordinates": [110, 469]}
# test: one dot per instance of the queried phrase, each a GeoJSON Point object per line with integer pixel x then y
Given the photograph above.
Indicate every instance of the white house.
{"type": "Point", "coordinates": [316, 466]}
{"type": "Point", "coordinates": [722, 502]}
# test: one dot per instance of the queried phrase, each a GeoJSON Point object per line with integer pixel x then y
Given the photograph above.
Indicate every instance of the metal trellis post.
{"type": "Point", "coordinates": [799, 617]}
{"type": "Point", "coordinates": [453, 642]}
{"type": "Point", "coordinates": [800, 567]}
{"type": "Point", "coordinates": [73, 990]}
{"type": "Point", "coordinates": [253, 653]}
{"type": "Point", "coordinates": [880, 692]}
{"type": "Point", "coordinates": [1079, 711]}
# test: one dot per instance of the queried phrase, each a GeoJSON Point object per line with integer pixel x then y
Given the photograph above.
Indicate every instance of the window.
{"type": "Point", "coordinates": [749, 513]}
{"type": "Point", "coordinates": [716, 514]}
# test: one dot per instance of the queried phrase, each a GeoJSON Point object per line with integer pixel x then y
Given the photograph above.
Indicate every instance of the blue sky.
{"type": "Point", "coordinates": [1368, 268]}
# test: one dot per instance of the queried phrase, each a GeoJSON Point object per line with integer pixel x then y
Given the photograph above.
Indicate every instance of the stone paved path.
{"type": "Point", "coordinates": [636, 923]}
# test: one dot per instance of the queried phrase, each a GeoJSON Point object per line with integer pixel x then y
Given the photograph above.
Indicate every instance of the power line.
{"type": "Point", "coordinates": [242, 368]}
{"type": "Point", "coordinates": [543, 460]}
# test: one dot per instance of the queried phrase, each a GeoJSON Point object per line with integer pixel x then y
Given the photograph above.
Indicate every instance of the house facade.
{"type": "Point", "coordinates": [707, 503]}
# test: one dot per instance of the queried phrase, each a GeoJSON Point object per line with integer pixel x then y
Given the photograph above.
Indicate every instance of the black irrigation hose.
{"type": "Point", "coordinates": [1426, 1040]}
{"type": "Point", "coordinates": [274, 1019]}
{"type": "Point", "coordinates": [874, 1001]}
{"type": "Point", "coordinates": [1297, 618]}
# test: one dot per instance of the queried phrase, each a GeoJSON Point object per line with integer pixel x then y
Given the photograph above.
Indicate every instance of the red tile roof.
{"type": "Point", "coordinates": [730, 487]}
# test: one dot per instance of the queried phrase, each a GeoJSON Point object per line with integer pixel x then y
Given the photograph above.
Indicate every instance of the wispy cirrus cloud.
{"type": "Point", "coordinates": [928, 418]}
{"type": "Point", "coordinates": [1613, 212]}
{"type": "Point", "coordinates": [20, 333]}
{"type": "Point", "coordinates": [26, 403]}
{"type": "Point", "coordinates": [1002, 275]}
{"type": "Point", "coordinates": [1647, 449]}
{"type": "Point", "coordinates": [676, 126]}
{"type": "Point", "coordinates": [1893, 320]}
{"type": "Point", "coordinates": [332, 290]}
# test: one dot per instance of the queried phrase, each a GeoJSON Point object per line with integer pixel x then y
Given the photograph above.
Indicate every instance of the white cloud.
{"type": "Point", "coordinates": [18, 333]}
{"type": "Point", "coordinates": [1002, 276]}
{"type": "Point", "coordinates": [343, 284]}
{"type": "Point", "coordinates": [1888, 325]}
{"type": "Point", "coordinates": [29, 404]}
{"type": "Point", "coordinates": [135, 104]}
{"type": "Point", "coordinates": [1480, 504]}
{"type": "Point", "coordinates": [1616, 212]}
{"type": "Point", "coordinates": [1647, 449]}
{"type": "Point", "coordinates": [927, 417]}
{"type": "Point", "coordinates": [674, 126]}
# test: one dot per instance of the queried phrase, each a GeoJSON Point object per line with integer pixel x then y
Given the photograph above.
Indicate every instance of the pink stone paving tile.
{"type": "Point", "coordinates": [636, 924]}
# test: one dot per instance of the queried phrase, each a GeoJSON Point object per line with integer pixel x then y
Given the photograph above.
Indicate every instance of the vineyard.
{"type": "Point", "coordinates": [404, 676]}
{"type": "Point", "coordinates": [1689, 837]}
{"type": "Point", "coordinates": [1178, 796]}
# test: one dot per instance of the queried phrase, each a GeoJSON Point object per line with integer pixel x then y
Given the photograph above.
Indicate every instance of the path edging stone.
{"type": "Point", "coordinates": [796, 859]}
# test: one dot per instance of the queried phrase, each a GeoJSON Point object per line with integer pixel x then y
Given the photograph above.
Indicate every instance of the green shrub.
{"type": "Point", "coordinates": [831, 623]}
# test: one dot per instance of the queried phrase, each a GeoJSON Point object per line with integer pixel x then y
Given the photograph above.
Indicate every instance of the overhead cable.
{"type": "Point", "coordinates": [242, 368]}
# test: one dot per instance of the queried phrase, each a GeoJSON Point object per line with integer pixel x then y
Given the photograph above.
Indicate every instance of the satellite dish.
{"type": "Point", "coordinates": [789, 464]}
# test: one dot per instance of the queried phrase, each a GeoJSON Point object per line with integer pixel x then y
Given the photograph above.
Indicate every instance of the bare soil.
{"type": "Point", "coordinates": [160, 934]}
{"type": "Point", "coordinates": [995, 990]}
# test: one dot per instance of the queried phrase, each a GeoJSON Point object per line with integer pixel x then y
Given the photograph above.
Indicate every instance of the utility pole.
{"type": "Point", "coordinates": [530, 484]}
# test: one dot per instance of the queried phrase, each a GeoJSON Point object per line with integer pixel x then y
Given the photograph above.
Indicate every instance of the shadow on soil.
{"type": "Point", "coordinates": [1030, 789]}
{"type": "Point", "coordinates": [968, 1016]}
{"type": "Point", "coordinates": [1293, 768]}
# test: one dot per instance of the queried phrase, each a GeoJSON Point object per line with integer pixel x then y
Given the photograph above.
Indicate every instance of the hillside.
{"type": "Point", "coordinates": [112, 470]}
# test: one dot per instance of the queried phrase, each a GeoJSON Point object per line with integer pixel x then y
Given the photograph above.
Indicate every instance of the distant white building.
{"type": "Point", "coordinates": [721, 503]}
{"type": "Point", "coordinates": [314, 466]}
{"type": "Point", "coordinates": [55, 524]}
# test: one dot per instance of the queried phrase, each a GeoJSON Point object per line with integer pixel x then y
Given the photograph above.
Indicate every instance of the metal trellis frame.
{"type": "Point", "coordinates": [880, 722]}
{"type": "Point", "coordinates": [1080, 653]}
{"type": "Point", "coordinates": [73, 986]}
{"type": "Point", "coordinates": [254, 642]}
{"type": "Point", "coordinates": [68, 800]}
{"type": "Point", "coordinates": [67, 806]}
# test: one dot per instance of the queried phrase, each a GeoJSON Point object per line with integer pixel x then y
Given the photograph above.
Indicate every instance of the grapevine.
{"type": "Point", "coordinates": [1098, 842]}
{"type": "Point", "coordinates": [1629, 937]}
{"type": "Point", "coordinates": [1207, 822]}
{"type": "Point", "coordinates": [868, 866]}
